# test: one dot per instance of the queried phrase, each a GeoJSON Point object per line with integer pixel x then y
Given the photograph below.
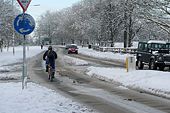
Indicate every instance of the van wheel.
{"type": "Point", "coordinates": [152, 65]}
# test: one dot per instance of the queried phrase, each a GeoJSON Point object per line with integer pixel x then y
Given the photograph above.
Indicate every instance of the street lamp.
{"type": "Point", "coordinates": [36, 5]}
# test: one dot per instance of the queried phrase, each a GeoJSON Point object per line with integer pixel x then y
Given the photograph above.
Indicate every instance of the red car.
{"type": "Point", "coordinates": [72, 49]}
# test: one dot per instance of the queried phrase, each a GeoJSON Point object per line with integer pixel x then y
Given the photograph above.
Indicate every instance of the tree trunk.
{"type": "Point", "coordinates": [130, 31]}
{"type": "Point", "coordinates": [125, 26]}
{"type": "Point", "coordinates": [125, 38]}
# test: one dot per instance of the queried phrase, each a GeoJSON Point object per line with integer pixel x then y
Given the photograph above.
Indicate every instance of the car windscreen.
{"type": "Point", "coordinates": [142, 46]}
{"type": "Point", "coordinates": [158, 46]}
{"type": "Point", "coordinates": [73, 46]}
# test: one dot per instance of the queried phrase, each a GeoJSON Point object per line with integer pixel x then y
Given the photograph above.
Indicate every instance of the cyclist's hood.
{"type": "Point", "coordinates": [50, 48]}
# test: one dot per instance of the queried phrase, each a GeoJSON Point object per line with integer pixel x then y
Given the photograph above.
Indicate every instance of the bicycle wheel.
{"type": "Point", "coordinates": [51, 77]}
{"type": "Point", "coordinates": [51, 74]}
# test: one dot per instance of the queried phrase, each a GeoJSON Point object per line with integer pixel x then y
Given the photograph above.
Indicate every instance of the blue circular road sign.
{"type": "Point", "coordinates": [24, 24]}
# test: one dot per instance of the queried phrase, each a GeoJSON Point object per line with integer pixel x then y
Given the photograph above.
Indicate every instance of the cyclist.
{"type": "Point", "coordinates": [41, 46]}
{"type": "Point", "coordinates": [50, 56]}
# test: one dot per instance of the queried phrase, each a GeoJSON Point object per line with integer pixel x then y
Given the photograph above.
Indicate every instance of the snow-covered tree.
{"type": "Point", "coordinates": [104, 22]}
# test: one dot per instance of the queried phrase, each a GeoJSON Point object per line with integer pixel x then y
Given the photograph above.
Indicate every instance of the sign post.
{"type": "Point", "coordinates": [24, 72]}
{"type": "Point", "coordinates": [24, 24]}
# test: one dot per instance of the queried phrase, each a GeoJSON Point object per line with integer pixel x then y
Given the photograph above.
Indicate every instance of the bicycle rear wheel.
{"type": "Point", "coordinates": [51, 73]}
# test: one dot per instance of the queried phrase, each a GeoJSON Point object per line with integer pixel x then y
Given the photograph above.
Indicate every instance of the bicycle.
{"type": "Point", "coordinates": [51, 73]}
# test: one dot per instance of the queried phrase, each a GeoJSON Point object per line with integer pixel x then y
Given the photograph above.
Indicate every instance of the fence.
{"type": "Point", "coordinates": [115, 49]}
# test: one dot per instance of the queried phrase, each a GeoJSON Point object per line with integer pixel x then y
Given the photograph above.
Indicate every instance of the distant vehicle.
{"type": "Point", "coordinates": [72, 48]}
{"type": "Point", "coordinates": [154, 54]}
{"type": "Point", "coordinates": [68, 45]}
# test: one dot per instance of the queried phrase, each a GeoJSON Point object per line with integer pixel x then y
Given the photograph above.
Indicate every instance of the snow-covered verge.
{"type": "Point", "coordinates": [103, 55]}
{"type": "Point", "coordinates": [155, 82]}
{"type": "Point", "coordinates": [36, 99]}
{"type": "Point", "coordinates": [7, 57]}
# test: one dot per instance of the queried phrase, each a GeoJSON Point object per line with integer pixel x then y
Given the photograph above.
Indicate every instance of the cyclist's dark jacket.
{"type": "Point", "coordinates": [50, 60]}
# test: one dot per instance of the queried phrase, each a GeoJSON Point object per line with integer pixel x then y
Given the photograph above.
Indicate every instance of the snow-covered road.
{"type": "Point", "coordinates": [155, 82]}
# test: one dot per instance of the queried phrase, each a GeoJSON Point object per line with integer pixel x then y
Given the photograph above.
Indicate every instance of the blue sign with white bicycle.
{"type": "Point", "coordinates": [24, 24]}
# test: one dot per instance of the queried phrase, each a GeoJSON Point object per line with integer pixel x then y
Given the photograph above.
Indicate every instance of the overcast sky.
{"type": "Point", "coordinates": [45, 5]}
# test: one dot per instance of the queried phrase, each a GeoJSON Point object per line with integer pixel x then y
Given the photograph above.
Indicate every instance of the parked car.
{"type": "Point", "coordinates": [154, 54]}
{"type": "Point", "coordinates": [72, 48]}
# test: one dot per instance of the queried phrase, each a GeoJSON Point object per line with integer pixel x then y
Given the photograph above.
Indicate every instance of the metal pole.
{"type": "Point", "coordinates": [13, 34]}
{"type": "Point", "coordinates": [24, 73]}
